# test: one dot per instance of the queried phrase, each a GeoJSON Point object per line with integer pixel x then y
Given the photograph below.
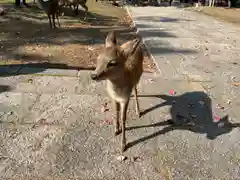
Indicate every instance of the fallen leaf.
{"type": "Point", "coordinates": [236, 84]}
{"type": "Point", "coordinates": [106, 122]}
{"type": "Point", "coordinates": [172, 92]}
{"type": "Point", "coordinates": [216, 118]}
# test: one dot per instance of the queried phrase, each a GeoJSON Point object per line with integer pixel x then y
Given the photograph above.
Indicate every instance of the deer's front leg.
{"type": "Point", "coordinates": [136, 101]}
{"type": "Point", "coordinates": [124, 106]}
{"type": "Point", "coordinates": [116, 119]}
{"type": "Point", "coordinates": [50, 21]}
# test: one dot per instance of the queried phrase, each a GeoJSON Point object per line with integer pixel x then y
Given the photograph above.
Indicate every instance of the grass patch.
{"type": "Point", "coordinates": [26, 37]}
{"type": "Point", "coordinates": [226, 14]}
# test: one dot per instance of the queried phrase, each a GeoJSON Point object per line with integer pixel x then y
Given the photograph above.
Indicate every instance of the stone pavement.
{"type": "Point", "coordinates": [52, 123]}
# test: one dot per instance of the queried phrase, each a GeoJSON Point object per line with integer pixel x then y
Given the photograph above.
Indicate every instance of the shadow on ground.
{"type": "Point", "coordinates": [4, 88]}
{"type": "Point", "coordinates": [161, 19]}
{"type": "Point", "coordinates": [29, 26]}
{"type": "Point", "coordinates": [32, 68]}
{"type": "Point", "coordinates": [191, 111]}
{"type": "Point", "coordinates": [26, 30]}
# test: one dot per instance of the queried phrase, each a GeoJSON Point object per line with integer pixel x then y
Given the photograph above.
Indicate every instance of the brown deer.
{"type": "Point", "coordinates": [122, 68]}
{"type": "Point", "coordinates": [75, 4]}
{"type": "Point", "coordinates": [51, 8]}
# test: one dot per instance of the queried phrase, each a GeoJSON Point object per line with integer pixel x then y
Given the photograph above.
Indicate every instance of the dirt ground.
{"type": "Point", "coordinates": [25, 36]}
{"type": "Point", "coordinates": [227, 14]}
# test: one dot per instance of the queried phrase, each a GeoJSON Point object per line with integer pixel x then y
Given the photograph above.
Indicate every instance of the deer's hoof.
{"type": "Point", "coordinates": [139, 114]}
{"type": "Point", "coordinates": [117, 132]}
{"type": "Point", "coordinates": [124, 148]}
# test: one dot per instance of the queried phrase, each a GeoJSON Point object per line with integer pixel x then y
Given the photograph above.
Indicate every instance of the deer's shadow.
{"type": "Point", "coordinates": [190, 111]}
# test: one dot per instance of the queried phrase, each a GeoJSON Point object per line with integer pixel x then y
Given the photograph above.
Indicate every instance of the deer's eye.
{"type": "Point", "coordinates": [112, 63]}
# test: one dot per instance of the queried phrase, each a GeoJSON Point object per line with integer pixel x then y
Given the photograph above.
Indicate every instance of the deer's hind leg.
{"type": "Point", "coordinates": [57, 16]}
{"type": "Point", "coordinates": [53, 19]}
{"type": "Point", "coordinates": [86, 10]}
{"type": "Point", "coordinates": [50, 21]}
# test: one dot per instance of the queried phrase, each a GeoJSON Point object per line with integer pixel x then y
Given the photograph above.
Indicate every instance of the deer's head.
{"type": "Point", "coordinates": [110, 61]}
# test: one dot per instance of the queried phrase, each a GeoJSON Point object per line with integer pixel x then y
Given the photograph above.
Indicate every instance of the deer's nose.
{"type": "Point", "coordinates": [93, 76]}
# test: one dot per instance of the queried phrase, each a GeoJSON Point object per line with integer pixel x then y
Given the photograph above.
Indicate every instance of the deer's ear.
{"type": "Point", "coordinates": [111, 39]}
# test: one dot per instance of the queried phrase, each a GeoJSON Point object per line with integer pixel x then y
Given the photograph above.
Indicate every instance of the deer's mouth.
{"type": "Point", "coordinates": [97, 77]}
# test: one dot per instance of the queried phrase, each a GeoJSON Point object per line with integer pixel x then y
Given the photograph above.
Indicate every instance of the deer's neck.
{"type": "Point", "coordinates": [119, 90]}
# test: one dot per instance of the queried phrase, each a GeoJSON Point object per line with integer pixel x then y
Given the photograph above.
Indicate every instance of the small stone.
{"type": "Point", "coordinates": [30, 81]}
{"type": "Point", "coordinates": [220, 106]}
{"type": "Point", "coordinates": [121, 158]}
{"type": "Point", "coordinates": [10, 113]}
{"type": "Point", "coordinates": [221, 124]}
{"type": "Point", "coordinates": [229, 102]}
{"type": "Point", "coordinates": [190, 105]}
{"type": "Point", "coordinates": [1, 11]}
{"type": "Point", "coordinates": [135, 158]}
{"type": "Point", "coordinates": [193, 115]}
{"type": "Point", "coordinates": [104, 107]}
{"type": "Point", "coordinates": [151, 80]}
{"type": "Point", "coordinates": [90, 48]}
{"type": "Point", "coordinates": [201, 103]}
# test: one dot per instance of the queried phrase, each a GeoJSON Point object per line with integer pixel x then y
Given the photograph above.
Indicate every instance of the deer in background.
{"type": "Point", "coordinates": [122, 68]}
{"type": "Point", "coordinates": [51, 8]}
{"type": "Point", "coordinates": [75, 4]}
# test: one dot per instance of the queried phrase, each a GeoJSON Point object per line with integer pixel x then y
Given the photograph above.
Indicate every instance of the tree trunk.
{"type": "Point", "coordinates": [1, 11]}
{"type": "Point", "coordinates": [17, 2]}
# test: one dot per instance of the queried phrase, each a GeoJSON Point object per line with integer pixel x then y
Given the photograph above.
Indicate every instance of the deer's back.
{"type": "Point", "coordinates": [134, 66]}
{"type": "Point", "coordinates": [48, 6]}
{"type": "Point", "coordinates": [70, 2]}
